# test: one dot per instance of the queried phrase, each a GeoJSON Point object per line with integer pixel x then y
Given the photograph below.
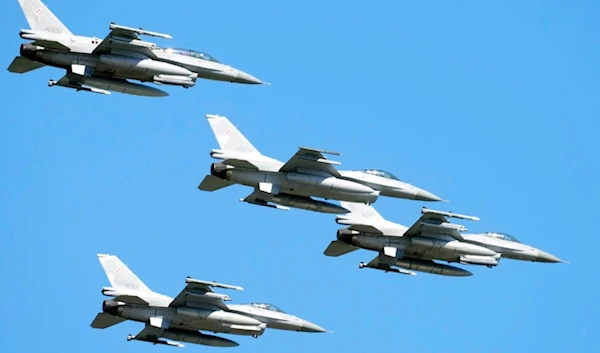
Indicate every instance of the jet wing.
{"type": "Point", "coordinates": [126, 37]}
{"type": "Point", "coordinates": [199, 293]}
{"type": "Point", "coordinates": [21, 65]}
{"type": "Point", "coordinates": [436, 222]}
{"type": "Point", "coordinates": [311, 159]}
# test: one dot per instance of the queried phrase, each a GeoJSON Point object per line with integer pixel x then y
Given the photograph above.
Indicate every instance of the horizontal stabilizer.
{"type": "Point", "coordinates": [104, 320]}
{"type": "Point", "coordinates": [338, 248]}
{"type": "Point", "coordinates": [212, 183]}
{"type": "Point", "coordinates": [21, 65]}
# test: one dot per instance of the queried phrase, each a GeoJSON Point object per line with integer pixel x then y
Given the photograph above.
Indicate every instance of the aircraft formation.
{"type": "Point", "coordinates": [309, 180]}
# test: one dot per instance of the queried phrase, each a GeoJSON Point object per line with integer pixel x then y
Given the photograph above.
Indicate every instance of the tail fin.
{"type": "Point", "coordinates": [361, 210]}
{"type": "Point", "coordinates": [119, 275]}
{"type": "Point", "coordinates": [40, 18]}
{"type": "Point", "coordinates": [228, 136]}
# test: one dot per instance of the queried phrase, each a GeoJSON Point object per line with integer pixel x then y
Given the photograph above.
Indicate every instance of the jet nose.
{"type": "Point", "coordinates": [423, 195]}
{"type": "Point", "coordinates": [308, 326]}
{"type": "Point", "coordinates": [243, 77]}
{"type": "Point", "coordinates": [543, 256]}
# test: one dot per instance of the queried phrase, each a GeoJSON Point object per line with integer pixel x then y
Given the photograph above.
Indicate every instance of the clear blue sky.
{"type": "Point", "coordinates": [491, 105]}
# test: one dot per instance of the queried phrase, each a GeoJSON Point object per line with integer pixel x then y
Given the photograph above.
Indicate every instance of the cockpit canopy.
{"type": "Point", "coordinates": [379, 173]}
{"type": "Point", "coordinates": [503, 236]}
{"type": "Point", "coordinates": [268, 307]}
{"type": "Point", "coordinates": [193, 54]}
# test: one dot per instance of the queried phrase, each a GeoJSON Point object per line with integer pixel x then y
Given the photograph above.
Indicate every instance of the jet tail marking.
{"type": "Point", "coordinates": [361, 211]}
{"type": "Point", "coordinates": [119, 275]}
{"type": "Point", "coordinates": [40, 18]}
{"type": "Point", "coordinates": [228, 136]}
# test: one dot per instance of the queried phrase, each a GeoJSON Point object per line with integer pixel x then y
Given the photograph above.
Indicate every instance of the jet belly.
{"type": "Point", "coordinates": [193, 318]}
{"type": "Point", "coordinates": [220, 321]}
{"type": "Point", "coordinates": [143, 65]}
{"type": "Point", "coordinates": [305, 185]}
{"type": "Point", "coordinates": [428, 248]}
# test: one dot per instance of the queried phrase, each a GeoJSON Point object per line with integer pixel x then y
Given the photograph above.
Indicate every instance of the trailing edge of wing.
{"type": "Point", "coordinates": [240, 163]}
{"type": "Point", "coordinates": [365, 228]}
{"type": "Point", "coordinates": [21, 65]}
{"type": "Point", "coordinates": [310, 159]}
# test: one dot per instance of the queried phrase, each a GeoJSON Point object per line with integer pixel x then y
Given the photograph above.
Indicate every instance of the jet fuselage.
{"type": "Point", "coordinates": [188, 318]}
{"type": "Point", "coordinates": [389, 187]}
{"type": "Point", "coordinates": [276, 320]}
{"type": "Point", "coordinates": [145, 62]}
{"type": "Point", "coordinates": [300, 184]}
{"type": "Point", "coordinates": [510, 249]}
{"type": "Point", "coordinates": [438, 248]}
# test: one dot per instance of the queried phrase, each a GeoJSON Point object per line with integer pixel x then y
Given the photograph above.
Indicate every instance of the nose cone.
{"type": "Point", "coordinates": [546, 257]}
{"type": "Point", "coordinates": [423, 195]}
{"type": "Point", "coordinates": [308, 326]}
{"type": "Point", "coordinates": [243, 77]}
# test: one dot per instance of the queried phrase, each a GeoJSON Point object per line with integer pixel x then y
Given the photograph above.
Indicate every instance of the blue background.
{"type": "Point", "coordinates": [491, 105]}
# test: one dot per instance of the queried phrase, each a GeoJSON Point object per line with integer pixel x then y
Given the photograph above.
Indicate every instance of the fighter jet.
{"type": "Point", "coordinates": [432, 237]}
{"type": "Point", "coordinates": [100, 66]}
{"type": "Point", "coordinates": [196, 308]}
{"type": "Point", "coordinates": [291, 184]}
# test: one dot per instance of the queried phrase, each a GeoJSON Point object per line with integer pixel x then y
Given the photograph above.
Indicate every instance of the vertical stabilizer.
{"type": "Point", "coordinates": [40, 18]}
{"type": "Point", "coordinates": [228, 136]}
{"type": "Point", "coordinates": [361, 210]}
{"type": "Point", "coordinates": [119, 275]}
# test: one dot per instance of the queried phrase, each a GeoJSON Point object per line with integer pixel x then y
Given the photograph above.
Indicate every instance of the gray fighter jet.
{"type": "Point", "coordinates": [291, 184]}
{"type": "Point", "coordinates": [196, 308]}
{"type": "Point", "coordinates": [432, 237]}
{"type": "Point", "coordinates": [100, 66]}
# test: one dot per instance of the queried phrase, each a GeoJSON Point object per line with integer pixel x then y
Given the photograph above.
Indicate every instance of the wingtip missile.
{"type": "Point", "coordinates": [139, 31]}
{"type": "Point", "coordinates": [212, 284]}
{"type": "Point", "coordinates": [425, 210]}
{"type": "Point", "coordinates": [333, 153]}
